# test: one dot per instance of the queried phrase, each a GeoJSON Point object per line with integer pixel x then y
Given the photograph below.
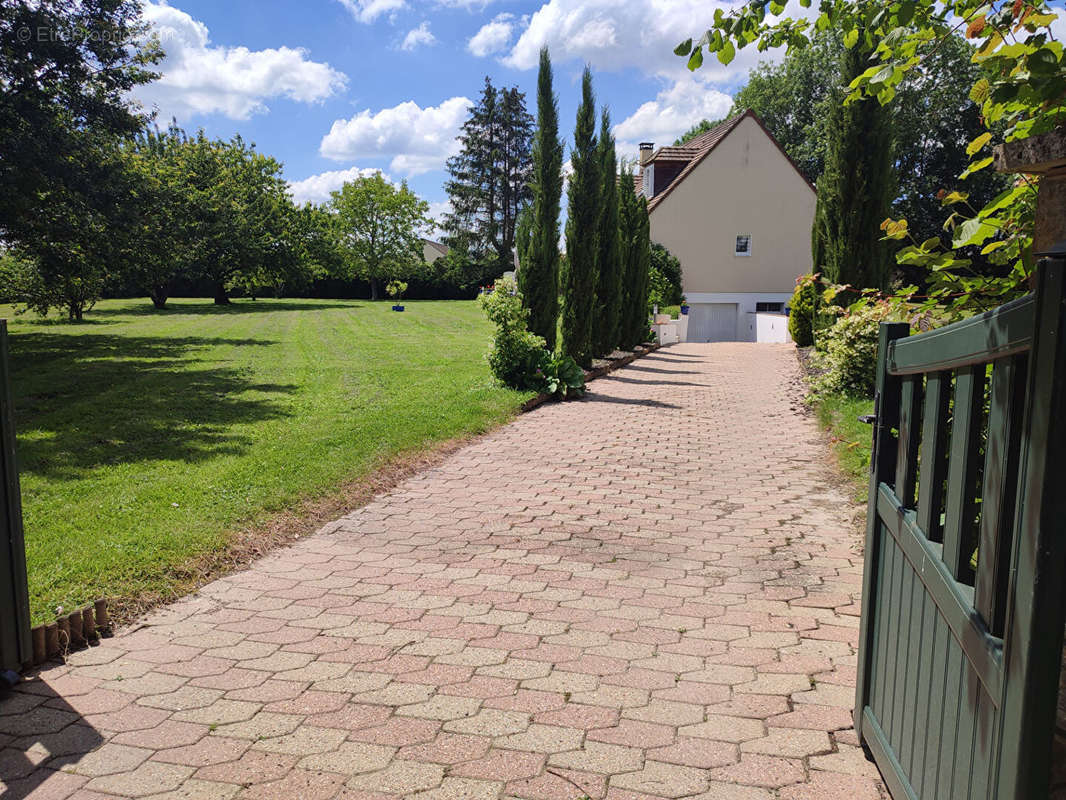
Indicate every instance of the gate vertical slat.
{"type": "Point", "coordinates": [882, 463]}
{"type": "Point", "coordinates": [961, 501]}
{"type": "Point", "coordinates": [997, 497]}
{"type": "Point", "coordinates": [983, 753]}
{"type": "Point", "coordinates": [950, 726]}
{"type": "Point", "coordinates": [927, 655]}
{"type": "Point", "coordinates": [1037, 594]}
{"type": "Point", "coordinates": [907, 456]}
{"type": "Point", "coordinates": [938, 693]}
{"type": "Point", "coordinates": [916, 634]}
{"type": "Point", "coordinates": [934, 454]}
{"type": "Point", "coordinates": [15, 646]}
{"type": "Point", "coordinates": [964, 739]}
{"type": "Point", "coordinates": [880, 632]}
{"type": "Point", "coordinates": [903, 655]}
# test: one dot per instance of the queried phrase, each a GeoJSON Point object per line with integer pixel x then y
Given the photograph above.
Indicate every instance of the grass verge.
{"type": "Point", "coordinates": [159, 448]}
{"type": "Point", "coordinates": [850, 439]}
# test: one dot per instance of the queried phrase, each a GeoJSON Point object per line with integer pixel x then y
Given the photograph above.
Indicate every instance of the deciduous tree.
{"type": "Point", "coordinates": [158, 248]}
{"type": "Point", "coordinates": [1020, 92]}
{"type": "Point", "coordinates": [241, 205]}
{"type": "Point", "coordinates": [380, 228]}
{"type": "Point", "coordinates": [66, 70]}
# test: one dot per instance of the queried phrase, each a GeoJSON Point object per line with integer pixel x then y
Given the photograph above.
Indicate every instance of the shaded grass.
{"type": "Point", "coordinates": [850, 439]}
{"type": "Point", "coordinates": [148, 440]}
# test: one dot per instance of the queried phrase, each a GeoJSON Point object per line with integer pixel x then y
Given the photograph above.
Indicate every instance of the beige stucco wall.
{"type": "Point", "coordinates": [430, 253]}
{"type": "Point", "coordinates": [745, 186]}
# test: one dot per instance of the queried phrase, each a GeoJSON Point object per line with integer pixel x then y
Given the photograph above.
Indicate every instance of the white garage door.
{"type": "Point", "coordinates": [712, 322]}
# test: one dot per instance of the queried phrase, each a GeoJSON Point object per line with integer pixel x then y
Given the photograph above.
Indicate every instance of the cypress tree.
{"type": "Point", "coordinates": [856, 189]}
{"type": "Point", "coordinates": [582, 240]}
{"type": "Point", "coordinates": [635, 243]}
{"type": "Point", "coordinates": [609, 284]}
{"type": "Point", "coordinates": [538, 271]}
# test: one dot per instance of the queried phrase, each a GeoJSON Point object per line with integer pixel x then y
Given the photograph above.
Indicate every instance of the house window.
{"type": "Point", "coordinates": [743, 244]}
{"type": "Point", "coordinates": [775, 308]}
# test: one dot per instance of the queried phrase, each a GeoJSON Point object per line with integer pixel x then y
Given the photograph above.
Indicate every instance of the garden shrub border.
{"type": "Point", "coordinates": [597, 371]}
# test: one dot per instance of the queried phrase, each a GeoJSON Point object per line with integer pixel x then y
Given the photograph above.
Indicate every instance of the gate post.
{"type": "Point", "coordinates": [15, 646]}
{"type": "Point", "coordinates": [1032, 650]}
{"type": "Point", "coordinates": [882, 469]}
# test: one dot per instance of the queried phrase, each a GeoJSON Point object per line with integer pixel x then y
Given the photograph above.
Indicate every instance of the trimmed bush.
{"type": "Point", "coordinates": [801, 311]}
{"type": "Point", "coordinates": [849, 355]}
{"type": "Point", "coordinates": [519, 358]}
{"type": "Point", "coordinates": [516, 353]}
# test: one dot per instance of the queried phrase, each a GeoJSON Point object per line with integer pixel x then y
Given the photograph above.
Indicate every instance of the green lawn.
{"type": "Point", "coordinates": [851, 439]}
{"type": "Point", "coordinates": [147, 438]}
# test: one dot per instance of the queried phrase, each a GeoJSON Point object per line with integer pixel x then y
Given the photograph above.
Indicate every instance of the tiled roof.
{"type": "Point", "coordinates": [697, 149]}
{"type": "Point", "coordinates": [693, 151]}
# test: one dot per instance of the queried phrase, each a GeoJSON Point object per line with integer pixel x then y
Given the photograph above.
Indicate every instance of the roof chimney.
{"type": "Point", "coordinates": [646, 150]}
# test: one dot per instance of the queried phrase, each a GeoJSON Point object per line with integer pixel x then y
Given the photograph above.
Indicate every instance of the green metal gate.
{"type": "Point", "coordinates": [15, 647]}
{"type": "Point", "coordinates": [963, 591]}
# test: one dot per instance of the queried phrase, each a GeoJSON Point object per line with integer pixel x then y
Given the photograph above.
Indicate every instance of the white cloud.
{"type": "Point", "coordinates": [673, 111]}
{"type": "Point", "coordinates": [316, 188]}
{"type": "Point", "coordinates": [367, 11]}
{"type": "Point", "coordinates": [493, 36]}
{"type": "Point", "coordinates": [416, 139]}
{"type": "Point", "coordinates": [637, 34]}
{"type": "Point", "coordinates": [200, 78]}
{"type": "Point", "coordinates": [1058, 27]}
{"type": "Point", "coordinates": [420, 36]}
{"type": "Point", "coordinates": [438, 209]}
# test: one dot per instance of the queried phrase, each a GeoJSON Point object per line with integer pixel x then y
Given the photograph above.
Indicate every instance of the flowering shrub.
{"type": "Point", "coordinates": [849, 351]}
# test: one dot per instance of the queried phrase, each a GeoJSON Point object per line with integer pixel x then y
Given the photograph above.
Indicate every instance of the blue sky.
{"type": "Point", "coordinates": [333, 88]}
{"type": "Point", "coordinates": [338, 88]}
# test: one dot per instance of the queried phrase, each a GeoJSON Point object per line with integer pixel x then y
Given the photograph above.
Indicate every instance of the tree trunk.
{"type": "Point", "coordinates": [375, 289]}
{"type": "Point", "coordinates": [75, 311]}
{"type": "Point", "coordinates": [159, 297]}
{"type": "Point", "coordinates": [221, 297]}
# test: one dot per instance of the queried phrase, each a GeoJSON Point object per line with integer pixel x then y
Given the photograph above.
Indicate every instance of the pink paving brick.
{"type": "Point", "coordinates": [559, 784]}
{"type": "Point", "coordinates": [502, 765]}
{"type": "Point", "coordinates": [541, 616]}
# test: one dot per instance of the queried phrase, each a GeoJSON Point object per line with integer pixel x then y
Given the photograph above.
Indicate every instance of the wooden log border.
{"type": "Point", "coordinates": [81, 628]}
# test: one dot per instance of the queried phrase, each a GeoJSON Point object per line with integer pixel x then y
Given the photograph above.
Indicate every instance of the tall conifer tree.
{"type": "Point", "coordinates": [489, 182]}
{"type": "Point", "coordinates": [635, 243]}
{"type": "Point", "coordinates": [582, 229]}
{"type": "Point", "coordinates": [856, 189]}
{"type": "Point", "coordinates": [609, 282]}
{"type": "Point", "coordinates": [538, 270]}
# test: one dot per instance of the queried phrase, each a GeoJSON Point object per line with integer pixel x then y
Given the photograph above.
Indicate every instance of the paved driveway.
{"type": "Point", "coordinates": [648, 594]}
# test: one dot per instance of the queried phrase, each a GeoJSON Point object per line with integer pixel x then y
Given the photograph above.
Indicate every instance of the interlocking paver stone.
{"type": "Point", "coordinates": [662, 780]}
{"type": "Point", "coordinates": [560, 609]}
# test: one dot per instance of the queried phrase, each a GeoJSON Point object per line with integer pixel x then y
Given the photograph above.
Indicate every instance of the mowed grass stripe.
{"type": "Point", "coordinates": [146, 439]}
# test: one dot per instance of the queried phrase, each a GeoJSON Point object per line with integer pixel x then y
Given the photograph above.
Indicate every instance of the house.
{"type": "Point", "coordinates": [737, 213]}
{"type": "Point", "coordinates": [431, 250]}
